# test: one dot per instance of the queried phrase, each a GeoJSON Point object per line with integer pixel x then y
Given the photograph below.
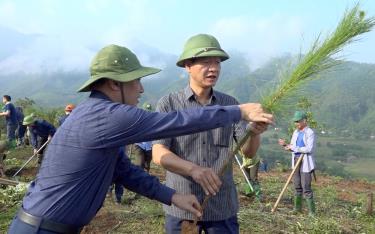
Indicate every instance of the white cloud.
{"type": "Point", "coordinates": [261, 38]}
{"type": "Point", "coordinates": [95, 6]}
{"type": "Point", "coordinates": [48, 54]}
{"type": "Point", "coordinates": [7, 9]}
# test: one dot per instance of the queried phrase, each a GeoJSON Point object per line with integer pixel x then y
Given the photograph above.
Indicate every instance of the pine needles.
{"type": "Point", "coordinates": [319, 58]}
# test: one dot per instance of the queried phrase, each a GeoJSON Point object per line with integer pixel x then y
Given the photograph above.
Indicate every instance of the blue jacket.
{"type": "Point", "coordinates": [62, 119]}
{"type": "Point", "coordinates": [82, 158]}
{"type": "Point", "coordinates": [40, 128]}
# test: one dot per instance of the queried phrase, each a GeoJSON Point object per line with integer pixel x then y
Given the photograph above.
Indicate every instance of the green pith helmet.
{"type": "Point", "coordinates": [29, 119]}
{"type": "Point", "coordinates": [147, 106]}
{"type": "Point", "coordinates": [201, 45]}
{"type": "Point", "coordinates": [299, 115]}
{"type": "Point", "coordinates": [116, 63]}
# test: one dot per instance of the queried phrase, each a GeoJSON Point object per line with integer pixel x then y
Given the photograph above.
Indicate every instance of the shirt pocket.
{"type": "Point", "coordinates": [221, 136]}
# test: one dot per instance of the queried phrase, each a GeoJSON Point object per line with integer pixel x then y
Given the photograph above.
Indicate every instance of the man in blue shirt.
{"type": "Point", "coordinates": [302, 144]}
{"type": "Point", "coordinates": [143, 150]}
{"type": "Point", "coordinates": [143, 155]}
{"type": "Point", "coordinates": [81, 159]}
{"type": "Point", "coordinates": [116, 182]}
{"type": "Point", "coordinates": [41, 131]}
{"type": "Point", "coordinates": [9, 111]}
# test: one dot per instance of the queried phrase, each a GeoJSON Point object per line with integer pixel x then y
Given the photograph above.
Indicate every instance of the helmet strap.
{"type": "Point", "coordinates": [122, 93]}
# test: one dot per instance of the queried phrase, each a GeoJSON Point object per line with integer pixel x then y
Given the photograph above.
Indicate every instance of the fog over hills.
{"type": "Point", "coordinates": [49, 70]}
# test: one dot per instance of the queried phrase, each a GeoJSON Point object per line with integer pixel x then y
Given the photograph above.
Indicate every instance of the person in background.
{"type": "Point", "coordinates": [68, 109]}
{"type": "Point", "coordinates": [40, 131]}
{"type": "Point", "coordinates": [263, 165]}
{"type": "Point", "coordinates": [251, 167]}
{"type": "Point", "coordinates": [116, 182]}
{"type": "Point", "coordinates": [143, 150]}
{"type": "Point", "coordinates": [3, 149]}
{"type": "Point", "coordinates": [302, 144]}
{"type": "Point", "coordinates": [21, 129]}
{"type": "Point", "coordinates": [82, 158]}
{"type": "Point", "coordinates": [9, 111]}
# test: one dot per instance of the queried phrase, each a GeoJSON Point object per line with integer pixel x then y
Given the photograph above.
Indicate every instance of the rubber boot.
{"type": "Point", "coordinates": [11, 144]}
{"type": "Point", "coordinates": [297, 204]}
{"type": "Point", "coordinates": [311, 206]}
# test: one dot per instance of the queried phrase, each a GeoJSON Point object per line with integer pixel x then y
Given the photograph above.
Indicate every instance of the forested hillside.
{"type": "Point", "coordinates": [342, 100]}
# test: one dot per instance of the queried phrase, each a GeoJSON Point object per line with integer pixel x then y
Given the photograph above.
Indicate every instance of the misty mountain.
{"type": "Point", "coordinates": [342, 99]}
{"type": "Point", "coordinates": [13, 41]}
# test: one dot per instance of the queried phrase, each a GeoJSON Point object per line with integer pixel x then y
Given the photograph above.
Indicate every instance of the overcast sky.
{"type": "Point", "coordinates": [69, 32]}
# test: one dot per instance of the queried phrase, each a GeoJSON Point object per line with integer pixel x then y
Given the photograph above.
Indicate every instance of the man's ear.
{"type": "Point", "coordinates": [114, 85]}
{"type": "Point", "coordinates": [188, 64]}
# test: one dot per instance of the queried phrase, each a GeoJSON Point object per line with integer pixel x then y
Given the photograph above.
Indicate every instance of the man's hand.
{"type": "Point", "coordinates": [207, 178]}
{"type": "Point", "coordinates": [288, 147]}
{"type": "Point", "coordinates": [35, 150]}
{"type": "Point", "coordinates": [253, 112]}
{"type": "Point", "coordinates": [258, 128]}
{"type": "Point", "coordinates": [282, 142]}
{"type": "Point", "coordinates": [187, 202]}
{"type": "Point", "coordinates": [285, 146]}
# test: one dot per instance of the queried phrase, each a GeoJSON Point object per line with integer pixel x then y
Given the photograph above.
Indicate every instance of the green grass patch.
{"type": "Point", "coordinates": [363, 168]}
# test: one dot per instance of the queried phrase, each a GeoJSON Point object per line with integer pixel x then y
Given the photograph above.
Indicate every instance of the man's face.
{"type": "Point", "coordinates": [301, 124]}
{"type": "Point", "coordinates": [132, 91]}
{"type": "Point", "coordinates": [4, 100]}
{"type": "Point", "coordinates": [204, 72]}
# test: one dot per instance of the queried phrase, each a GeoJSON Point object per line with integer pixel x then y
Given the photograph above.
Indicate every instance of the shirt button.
{"type": "Point", "coordinates": [204, 142]}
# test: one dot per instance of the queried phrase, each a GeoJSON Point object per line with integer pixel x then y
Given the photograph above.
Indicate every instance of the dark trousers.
{"type": "Point", "coordinates": [142, 157]}
{"type": "Point", "coordinates": [302, 183]}
{"type": "Point", "coordinates": [230, 226]}
{"type": "Point", "coordinates": [119, 191]}
{"type": "Point", "coordinates": [40, 143]}
{"type": "Point", "coordinates": [21, 130]}
{"type": "Point", "coordinates": [11, 132]}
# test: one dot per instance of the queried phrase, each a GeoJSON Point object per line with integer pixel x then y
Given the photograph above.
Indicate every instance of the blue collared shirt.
{"type": "Point", "coordinates": [146, 146]}
{"type": "Point", "coordinates": [299, 142]}
{"type": "Point", "coordinates": [12, 118]}
{"type": "Point", "coordinates": [81, 159]}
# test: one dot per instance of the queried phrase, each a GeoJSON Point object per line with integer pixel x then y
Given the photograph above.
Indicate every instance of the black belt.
{"type": "Point", "coordinates": [46, 224]}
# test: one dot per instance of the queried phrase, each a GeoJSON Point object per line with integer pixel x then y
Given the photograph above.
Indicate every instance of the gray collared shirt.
{"type": "Point", "coordinates": [207, 149]}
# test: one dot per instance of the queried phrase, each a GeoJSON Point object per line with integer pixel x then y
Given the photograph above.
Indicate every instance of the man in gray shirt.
{"type": "Point", "coordinates": [193, 161]}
